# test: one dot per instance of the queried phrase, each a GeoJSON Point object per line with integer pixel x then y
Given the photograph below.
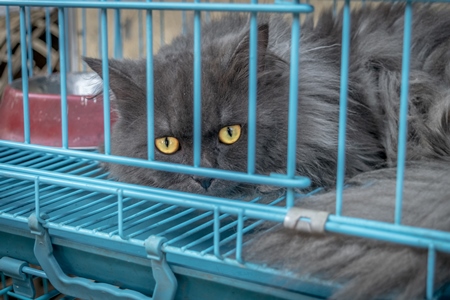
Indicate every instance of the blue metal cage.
{"type": "Point", "coordinates": [120, 240]}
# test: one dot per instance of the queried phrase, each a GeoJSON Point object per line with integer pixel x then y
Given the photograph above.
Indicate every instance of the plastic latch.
{"type": "Point", "coordinates": [306, 220]}
{"type": "Point", "coordinates": [73, 286]}
{"type": "Point", "coordinates": [153, 246]}
{"type": "Point", "coordinates": [166, 282]}
{"type": "Point", "coordinates": [22, 282]}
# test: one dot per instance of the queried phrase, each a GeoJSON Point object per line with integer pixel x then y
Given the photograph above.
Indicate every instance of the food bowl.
{"type": "Point", "coordinates": [85, 111]}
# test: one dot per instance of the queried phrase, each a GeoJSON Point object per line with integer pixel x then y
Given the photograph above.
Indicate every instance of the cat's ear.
{"type": "Point", "coordinates": [121, 83]}
{"type": "Point", "coordinates": [242, 52]}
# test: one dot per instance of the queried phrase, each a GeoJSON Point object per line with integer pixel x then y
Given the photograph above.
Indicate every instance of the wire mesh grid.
{"type": "Point", "coordinates": [204, 232]}
{"type": "Point", "coordinates": [78, 214]}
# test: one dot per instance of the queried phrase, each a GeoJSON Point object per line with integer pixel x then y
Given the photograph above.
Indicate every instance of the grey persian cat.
{"type": "Point", "coordinates": [373, 97]}
{"type": "Point", "coordinates": [372, 128]}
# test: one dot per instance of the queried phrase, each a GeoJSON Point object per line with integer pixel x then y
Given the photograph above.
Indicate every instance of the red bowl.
{"type": "Point", "coordinates": [85, 112]}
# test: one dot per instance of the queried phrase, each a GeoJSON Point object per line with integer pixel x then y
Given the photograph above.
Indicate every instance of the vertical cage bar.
{"type": "Point", "coordinates": [8, 45]}
{"type": "Point", "coordinates": [150, 95]}
{"type": "Point", "coordinates": [184, 20]}
{"type": "Point", "coordinates": [45, 285]}
{"type": "Point", "coordinates": [334, 7]}
{"type": "Point", "coordinates": [252, 89]}
{"type": "Point", "coordinates": [37, 204]}
{"type": "Point", "coordinates": [140, 34]}
{"type": "Point", "coordinates": [293, 106]}
{"type": "Point", "coordinates": [67, 38]}
{"type": "Point", "coordinates": [197, 88]}
{"type": "Point", "coordinates": [430, 271]}
{"type": "Point", "coordinates": [403, 117]}
{"type": "Point", "coordinates": [343, 108]}
{"type": "Point", "coordinates": [62, 66]}
{"type": "Point", "coordinates": [84, 36]}
{"type": "Point", "coordinates": [120, 212]}
{"type": "Point", "coordinates": [23, 52]}
{"type": "Point", "coordinates": [48, 40]}
{"type": "Point", "coordinates": [161, 27]}
{"type": "Point", "coordinates": [216, 232]}
{"type": "Point", "coordinates": [30, 40]}
{"type": "Point", "coordinates": [118, 51]}
{"type": "Point", "coordinates": [240, 227]}
{"type": "Point", "coordinates": [105, 72]}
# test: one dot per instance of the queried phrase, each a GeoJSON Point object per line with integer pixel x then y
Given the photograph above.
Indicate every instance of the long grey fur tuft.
{"type": "Point", "coordinates": [368, 269]}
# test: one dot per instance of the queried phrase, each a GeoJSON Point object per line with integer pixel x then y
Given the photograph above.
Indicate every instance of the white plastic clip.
{"type": "Point", "coordinates": [306, 220]}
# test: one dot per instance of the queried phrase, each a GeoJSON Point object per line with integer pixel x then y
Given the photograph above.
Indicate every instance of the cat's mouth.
{"type": "Point", "coordinates": [211, 186]}
{"type": "Point", "coordinates": [222, 188]}
{"type": "Point", "coordinates": [207, 186]}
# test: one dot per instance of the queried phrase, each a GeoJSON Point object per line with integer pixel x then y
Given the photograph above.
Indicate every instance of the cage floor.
{"type": "Point", "coordinates": [185, 228]}
{"type": "Point", "coordinates": [81, 218]}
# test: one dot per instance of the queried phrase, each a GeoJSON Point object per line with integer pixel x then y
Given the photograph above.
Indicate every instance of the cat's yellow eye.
{"type": "Point", "coordinates": [167, 144]}
{"type": "Point", "coordinates": [230, 134]}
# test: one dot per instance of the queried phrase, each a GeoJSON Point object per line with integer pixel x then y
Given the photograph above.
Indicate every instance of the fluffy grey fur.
{"type": "Point", "coordinates": [367, 268]}
{"type": "Point", "coordinates": [374, 86]}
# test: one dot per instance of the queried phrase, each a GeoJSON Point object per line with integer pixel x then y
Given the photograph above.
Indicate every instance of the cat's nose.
{"type": "Point", "coordinates": [204, 182]}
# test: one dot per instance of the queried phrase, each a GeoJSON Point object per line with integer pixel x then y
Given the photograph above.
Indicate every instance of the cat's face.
{"type": "Point", "coordinates": [224, 122]}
